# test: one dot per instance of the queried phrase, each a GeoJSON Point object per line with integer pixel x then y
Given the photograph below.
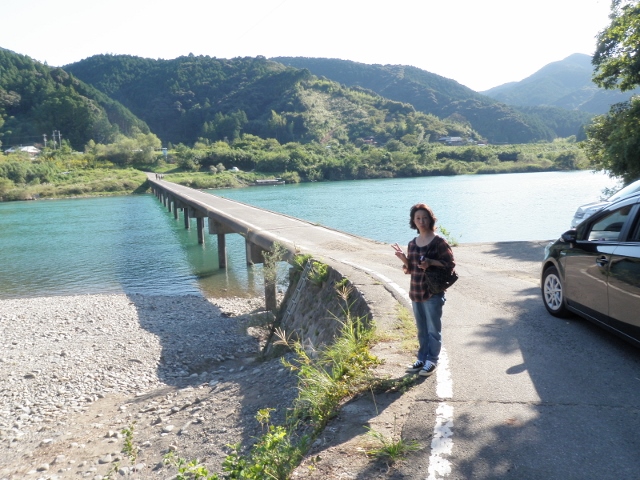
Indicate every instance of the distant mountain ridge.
{"type": "Point", "coordinates": [289, 99]}
{"type": "Point", "coordinates": [564, 84]}
{"type": "Point", "coordinates": [445, 98]}
{"type": "Point", "coordinates": [193, 97]}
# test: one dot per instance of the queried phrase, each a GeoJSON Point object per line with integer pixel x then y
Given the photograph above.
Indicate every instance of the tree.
{"type": "Point", "coordinates": [617, 56]}
{"type": "Point", "coordinates": [613, 140]}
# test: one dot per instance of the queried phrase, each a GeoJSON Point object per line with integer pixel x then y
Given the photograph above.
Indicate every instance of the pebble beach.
{"type": "Point", "coordinates": [76, 370]}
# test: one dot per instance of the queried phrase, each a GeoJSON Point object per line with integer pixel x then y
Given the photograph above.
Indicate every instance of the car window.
{"type": "Point", "coordinates": [635, 236]}
{"type": "Point", "coordinates": [608, 228]}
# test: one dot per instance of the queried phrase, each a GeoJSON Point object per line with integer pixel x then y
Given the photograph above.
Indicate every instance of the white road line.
{"type": "Point", "coordinates": [442, 441]}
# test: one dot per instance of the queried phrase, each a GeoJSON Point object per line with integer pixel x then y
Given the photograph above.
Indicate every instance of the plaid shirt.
{"type": "Point", "coordinates": [438, 249]}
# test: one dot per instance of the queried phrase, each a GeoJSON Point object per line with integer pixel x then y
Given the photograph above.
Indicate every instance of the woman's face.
{"type": "Point", "coordinates": [422, 221]}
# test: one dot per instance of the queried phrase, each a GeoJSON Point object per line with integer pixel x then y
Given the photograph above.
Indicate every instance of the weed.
{"type": "Point", "coordinates": [270, 269]}
{"type": "Point", "coordinates": [407, 329]}
{"type": "Point", "coordinates": [401, 385]}
{"type": "Point", "coordinates": [319, 273]}
{"type": "Point", "coordinates": [390, 449]}
{"type": "Point", "coordinates": [129, 448]}
{"type": "Point", "coordinates": [335, 373]}
{"type": "Point", "coordinates": [299, 261]}
{"type": "Point", "coordinates": [342, 284]}
{"type": "Point", "coordinates": [274, 456]}
{"type": "Point", "coordinates": [112, 471]}
{"type": "Point", "coordinates": [451, 240]}
{"type": "Point", "coordinates": [187, 470]}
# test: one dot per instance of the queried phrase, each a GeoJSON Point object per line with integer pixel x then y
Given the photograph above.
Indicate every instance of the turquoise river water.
{"type": "Point", "coordinates": [133, 245]}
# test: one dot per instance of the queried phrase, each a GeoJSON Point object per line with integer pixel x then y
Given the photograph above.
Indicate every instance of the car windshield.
{"type": "Point", "coordinates": [626, 191]}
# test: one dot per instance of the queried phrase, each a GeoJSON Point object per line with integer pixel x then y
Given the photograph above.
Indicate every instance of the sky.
{"type": "Point", "coordinates": [479, 43]}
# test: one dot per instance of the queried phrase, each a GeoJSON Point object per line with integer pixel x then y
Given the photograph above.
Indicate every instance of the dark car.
{"type": "Point", "coordinates": [594, 270]}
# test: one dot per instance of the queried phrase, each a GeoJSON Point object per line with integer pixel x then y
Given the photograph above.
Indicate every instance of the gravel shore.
{"type": "Point", "coordinates": [182, 371]}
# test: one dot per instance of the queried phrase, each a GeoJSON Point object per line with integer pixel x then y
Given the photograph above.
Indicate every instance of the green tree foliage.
{"type": "Point", "coordinates": [614, 139]}
{"type": "Point", "coordinates": [617, 56]}
{"type": "Point", "coordinates": [140, 149]}
{"type": "Point", "coordinates": [36, 100]}
{"type": "Point", "coordinates": [315, 161]}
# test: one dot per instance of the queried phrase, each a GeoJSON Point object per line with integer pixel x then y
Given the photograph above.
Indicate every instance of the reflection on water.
{"type": "Point", "coordinates": [107, 245]}
{"type": "Point", "coordinates": [132, 244]}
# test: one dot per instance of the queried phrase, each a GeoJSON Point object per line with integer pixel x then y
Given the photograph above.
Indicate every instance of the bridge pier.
{"type": "Point", "coordinates": [219, 229]}
{"type": "Point", "coordinates": [199, 216]}
{"type": "Point", "coordinates": [255, 255]}
{"type": "Point", "coordinates": [253, 251]}
{"type": "Point", "coordinates": [200, 227]}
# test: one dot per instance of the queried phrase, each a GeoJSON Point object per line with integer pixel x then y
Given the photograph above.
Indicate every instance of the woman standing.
{"type": "Point", "coordinates": [425, 251]}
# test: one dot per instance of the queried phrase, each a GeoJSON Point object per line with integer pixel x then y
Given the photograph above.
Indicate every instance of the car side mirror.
{"type": "Point", "coordinates": [569, 236]}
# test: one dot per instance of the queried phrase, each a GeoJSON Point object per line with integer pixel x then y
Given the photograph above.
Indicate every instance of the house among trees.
{"type": "Point", "coordinates": [31, 150]}
{"type": "Point", "coordinates": [452, 140]}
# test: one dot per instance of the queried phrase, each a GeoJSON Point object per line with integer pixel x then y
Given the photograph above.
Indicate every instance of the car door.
{"type": "Point", "coordinates": [624, 283]}
{"type": "Point", "coordinates": [586, 264]}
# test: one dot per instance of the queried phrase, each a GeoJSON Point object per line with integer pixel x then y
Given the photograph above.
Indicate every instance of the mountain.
{"type": "Point", "coordinates": [445, 98]}
{"type": "Point", "coordinates": [564, 84]}
{"type": "Point", "coordinates": [36, 100]}
{"type": "Point", "coordinates": [192, 97]}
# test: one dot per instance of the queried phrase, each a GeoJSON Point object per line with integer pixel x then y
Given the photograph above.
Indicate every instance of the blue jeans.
{"type": "Point", "coordinates": [429, 322]}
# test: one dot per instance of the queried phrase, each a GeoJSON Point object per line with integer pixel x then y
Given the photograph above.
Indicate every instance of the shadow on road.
{"type": "Point", "coordinates": [583, 419]}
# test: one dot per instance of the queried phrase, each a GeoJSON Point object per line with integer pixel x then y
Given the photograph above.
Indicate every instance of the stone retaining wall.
{"type": "Point", "coordinates": [316, 318]}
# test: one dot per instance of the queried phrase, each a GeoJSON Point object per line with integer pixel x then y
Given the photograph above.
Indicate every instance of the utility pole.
{"type": "Point", "coordinates": [53, 136]}
{"type": "Point", "coordinates": [45, 139]}
{"type": "Point", "coordinates": [59, 139]}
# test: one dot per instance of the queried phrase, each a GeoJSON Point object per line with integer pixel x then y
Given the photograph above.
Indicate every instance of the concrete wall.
{"type": "Point", "coordinates": [315, 318]}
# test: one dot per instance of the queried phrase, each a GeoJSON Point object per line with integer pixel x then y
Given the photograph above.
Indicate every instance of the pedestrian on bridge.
{"type": "Point", "coordinates": [427, 250]}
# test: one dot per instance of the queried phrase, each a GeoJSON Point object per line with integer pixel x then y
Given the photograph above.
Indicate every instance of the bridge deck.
{"type": "Point", "coordinates": [263, 227]}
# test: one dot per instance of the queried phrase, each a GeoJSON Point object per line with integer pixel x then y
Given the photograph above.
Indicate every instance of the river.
{"type": "Point", "coordinates": [132, 245]}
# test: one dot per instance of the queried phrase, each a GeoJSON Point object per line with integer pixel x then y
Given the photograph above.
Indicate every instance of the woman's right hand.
{"type": "Point", "coordinates": [398, 251]}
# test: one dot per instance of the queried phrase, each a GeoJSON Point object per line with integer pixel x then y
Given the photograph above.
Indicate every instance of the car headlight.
{"type": "Point", "coordinates": [547, 248]}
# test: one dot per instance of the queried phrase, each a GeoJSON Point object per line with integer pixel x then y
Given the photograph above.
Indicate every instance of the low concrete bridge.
{"type": "Point", "coordinates": [349, 254]}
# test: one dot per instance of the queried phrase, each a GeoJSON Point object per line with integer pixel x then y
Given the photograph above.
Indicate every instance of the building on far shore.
{"type": "Point", "coordinates": [31, 150]}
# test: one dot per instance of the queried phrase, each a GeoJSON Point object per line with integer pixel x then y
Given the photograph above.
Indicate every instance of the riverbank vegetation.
{"type": "Point", "coordinates": [118, 168]}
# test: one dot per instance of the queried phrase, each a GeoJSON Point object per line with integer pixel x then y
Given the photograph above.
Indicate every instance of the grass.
{"type": "Point", "coordinates": [406, 329]}
{"type": "Point", "coordinates": [390, 449]}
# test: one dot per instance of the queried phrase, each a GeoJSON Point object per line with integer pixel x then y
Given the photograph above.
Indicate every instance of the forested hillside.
{"type": "Point", "coordinates": [36, 100]}
{"type": "Point", "coordinates": [564, 84]}
{"type": "Point", "coordinates": [194, 97]}
{"type": "Point", "coordinates": [445, 98]}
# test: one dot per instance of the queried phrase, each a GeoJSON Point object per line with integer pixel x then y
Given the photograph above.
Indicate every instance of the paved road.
{"type": "Point", "coordinates": [520, 394]}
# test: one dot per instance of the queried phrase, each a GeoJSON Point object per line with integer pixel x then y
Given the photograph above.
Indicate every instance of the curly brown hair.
{"type": "Point", "coordinates": [426, 208]}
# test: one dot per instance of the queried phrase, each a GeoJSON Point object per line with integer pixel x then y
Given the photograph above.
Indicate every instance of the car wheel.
{"type": "Point", "coordinates": [552, 293]}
